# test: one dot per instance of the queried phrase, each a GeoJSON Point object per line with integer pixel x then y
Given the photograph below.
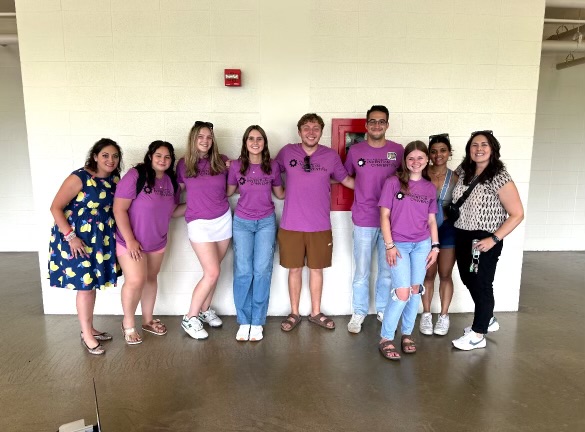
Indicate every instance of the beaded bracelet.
{"type": "Point", "coordinates": [70, 236]}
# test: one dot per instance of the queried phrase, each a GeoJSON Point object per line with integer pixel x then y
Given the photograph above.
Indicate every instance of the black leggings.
{"type": "Point", "coordinates": [480, 284]}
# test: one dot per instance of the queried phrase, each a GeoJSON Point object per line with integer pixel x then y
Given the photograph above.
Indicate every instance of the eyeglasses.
{"type": "Point", "coordinates": [374, 122]}
{"type": "Point", "coordinates": [482, 132]}
{"type": "Point", "coordinates": [204, 124]}
{"type": "Point", "coordinates": [442, 135]}
{"type": "Point", "coordinates": [307, 164]}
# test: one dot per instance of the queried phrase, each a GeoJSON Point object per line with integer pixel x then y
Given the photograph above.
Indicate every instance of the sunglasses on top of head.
{"type": "Point", "coordinates": [441, 135]}
{"type": "Point", "coordinates": [204, 124]}
{"type": "Point", "coordinates": [482, 132]}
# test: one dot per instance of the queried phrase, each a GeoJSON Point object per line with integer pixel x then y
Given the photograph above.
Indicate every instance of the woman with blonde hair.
{"type": "Point", "coordinates": [203, 174]}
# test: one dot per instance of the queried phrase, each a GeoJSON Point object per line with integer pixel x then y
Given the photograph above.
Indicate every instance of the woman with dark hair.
{"type": "Point", "coordinates": [491, 211]}
{"type": "Point", "coordinates": [203, 173]}
{"type": "Point", "coordinates": [444, 180]}
{"type": "Point", "coordinates": [146, 199]}
{"type": "Point", "coordinates": [256, 177]}
{"type": "Point", "coordinates": [82, 248]}
{"type": "Point", "coordinates": [408, 204]}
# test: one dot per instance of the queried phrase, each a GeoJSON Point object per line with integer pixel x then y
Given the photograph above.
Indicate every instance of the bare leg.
{"type": "Point", "coordinates": [134, 280]}
{"type": "Point", "coordinates": [427, 297]}
{"type": "Point", "coordinates": [153, 262]}
{"type": "Point", "coordinates": [85, 303]}
{"type": "Point", "coordinates": [446, 262]}
{"type": "Point", "coordinates": [295, 282]}
{"type": "Point", "coordinates": [316, 288]}
{"type": "Point", "coordinates": [222, 248]}
{"type": "Point", "coordinates": [210, 256]}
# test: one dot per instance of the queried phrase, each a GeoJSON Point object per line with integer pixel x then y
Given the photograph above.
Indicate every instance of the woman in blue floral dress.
{"type": "Point", "coordinates": [82, 250]}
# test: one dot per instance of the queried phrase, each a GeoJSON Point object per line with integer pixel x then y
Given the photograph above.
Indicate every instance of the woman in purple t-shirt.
{"type": "Point", "coordinates": [145, 200]}
{"type": "Point", "coordinates": [254, 230]}
{"type": "Point", "coordinates": [203, 173]}
{"type": "Point", "coordinates": [408, 205]}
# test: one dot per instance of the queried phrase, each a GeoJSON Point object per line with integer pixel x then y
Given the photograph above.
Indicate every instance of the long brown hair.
{"type": "Point", "coordinates": [216, 163]}
{"type": "Point", "coordinates": [403, 174]}
{"type": "Point", "coordinates": [245, 154]}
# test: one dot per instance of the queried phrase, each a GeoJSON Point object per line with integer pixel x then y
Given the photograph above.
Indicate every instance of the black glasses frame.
{"type": "Point", "coordinates": [307, 164]}
{"type": "Point", "coordinates": [373, 122]}
{"type": "Point", "coordinates": [441, 135]}
{"type": "Point", "coordinates": [204, 124]}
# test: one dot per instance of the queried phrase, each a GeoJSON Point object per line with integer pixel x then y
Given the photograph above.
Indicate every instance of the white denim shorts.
{"type": "Point", "coordinates": [210, 230]}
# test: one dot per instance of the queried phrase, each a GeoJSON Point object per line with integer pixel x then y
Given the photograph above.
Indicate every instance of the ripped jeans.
{"type": "Point", "coordinates": [409, 270]}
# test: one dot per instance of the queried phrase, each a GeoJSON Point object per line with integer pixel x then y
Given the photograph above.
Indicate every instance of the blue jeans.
{"type": "Point", "coordinates": [254, 242]}
{"type": "Point", "coordinates": [364, 240]}
{"type": "Point", "coordinates": [408, 271]}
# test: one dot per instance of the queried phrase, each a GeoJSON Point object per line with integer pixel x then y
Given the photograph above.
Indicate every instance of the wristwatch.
{"type": "Point", "coordinates": [496, 239]}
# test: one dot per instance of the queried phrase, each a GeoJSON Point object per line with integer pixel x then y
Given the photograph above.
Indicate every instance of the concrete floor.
{"type": "Point", "coordinates": [530, 378]}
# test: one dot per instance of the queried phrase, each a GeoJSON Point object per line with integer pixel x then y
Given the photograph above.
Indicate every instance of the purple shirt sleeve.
{"type": "Point", "coordinates": [349, 163]}
{"type": "Point", "coordinates": [339, 171]}
{"type": "Point", "coordinates": [127, 185]}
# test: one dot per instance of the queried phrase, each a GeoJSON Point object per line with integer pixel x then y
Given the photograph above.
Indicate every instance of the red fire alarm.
{"type": "Point", "coordinates": [233, 77]}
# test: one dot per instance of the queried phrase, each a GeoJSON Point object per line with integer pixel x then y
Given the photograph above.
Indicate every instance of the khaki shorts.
{"type": "Point", "coordinates": [294, 246]}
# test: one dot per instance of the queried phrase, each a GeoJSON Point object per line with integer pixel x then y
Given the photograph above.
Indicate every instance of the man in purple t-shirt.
{"type": "Point", "coordinates": [371, 162]}
{"type": "Point", "coordinates": [305, 237]}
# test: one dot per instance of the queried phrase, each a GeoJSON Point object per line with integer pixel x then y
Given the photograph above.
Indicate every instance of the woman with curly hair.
{"type": "Point", "coordinates": [82, 249]}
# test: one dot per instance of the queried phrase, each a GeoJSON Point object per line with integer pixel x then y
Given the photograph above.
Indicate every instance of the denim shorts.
{"type": "Point", "coordinates": [410, 267]}
{"type": "Point", "coordinates": [447, 235]}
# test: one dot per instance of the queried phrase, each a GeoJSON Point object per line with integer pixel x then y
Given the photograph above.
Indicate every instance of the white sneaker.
{"type": "Point", "coordinates": [426, 324]}
{"type": "Point", "coordinates": [211, 318]}
{"type": "Point", "coordinates": [442, 325]}
{"type": "Point", "coordinates": [243, 333]}
{"type": "Point", "coordinates": [493, 326]}
{"type": "Point", "coordinates": [355, 323]}
{"type": "Point", "coordinates": [380, 316]}
{"type": "Point", "coordinates": [194, 327]}
{"type": "Point", "coordinates": [256, 333]}
{"type": "Point", "coordinates": [470, 341]}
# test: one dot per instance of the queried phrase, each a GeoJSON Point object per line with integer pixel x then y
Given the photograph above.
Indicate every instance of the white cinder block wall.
{"type": "Point", "coordinates": [140, 70]}
{"type": "Point", "coordinates": [556, 202]}
{"type": "Point", "coordinates": [16, 212]}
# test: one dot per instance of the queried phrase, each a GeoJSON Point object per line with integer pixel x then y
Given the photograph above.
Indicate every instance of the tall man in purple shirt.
{"type": "Point", "coordinates": [305, 237]}
{"type": "Point", "coordinates": [371, 162]}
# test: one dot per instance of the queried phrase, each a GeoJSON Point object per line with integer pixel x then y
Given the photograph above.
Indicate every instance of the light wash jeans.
{"type": "Point", "coordinates": [254, 242]}
{"type": "Point", "coordinates": [408, 271]}
{"type": "Point", "coordinates": [364, 241]}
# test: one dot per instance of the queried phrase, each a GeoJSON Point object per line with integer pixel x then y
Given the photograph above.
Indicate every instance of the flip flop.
{"type": "Point", "coordinates": [293, 320]}
{"type": "Point", "coordinates": [322, 321]}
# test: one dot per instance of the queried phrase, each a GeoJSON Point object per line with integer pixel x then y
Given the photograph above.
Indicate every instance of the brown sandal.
{"type": "Point", "coordinates": [322, 321]}
{"type": "Point", "coordinates": [155, 327]}
{"type": "Point", "coordinates": [386, 351]}
{"type": "Point", "coordinates": [408, 347]}
{"type": "Point", "coordinates": [292, 320]}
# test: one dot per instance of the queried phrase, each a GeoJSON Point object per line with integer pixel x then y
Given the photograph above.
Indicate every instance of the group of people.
{"type": "Point", "coordinates": [104, 225]}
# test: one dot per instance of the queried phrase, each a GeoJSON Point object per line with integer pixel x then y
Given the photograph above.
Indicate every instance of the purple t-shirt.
{"type": "Point", "coordinates": [255, 189]}
{"type": "Point", "coordinates": [409, 213]}
{"type": "Point", "coordinates": [308, 194]}
{"type": "Point", "coordinates": [150, 212]}
{"type": "Point", "coordinates": [371, 167]}
{"type": "Point", "coordinates": [206, 197]}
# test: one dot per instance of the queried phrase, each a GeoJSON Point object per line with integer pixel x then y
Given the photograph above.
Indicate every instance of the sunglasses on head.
{"type": "Point", "coordinates": [204, 124]}
{"type": "Point", "coordinates": [441, 135]}
{"type": "Point", "coordinates": [482, 132]}
{"type": "Point", "coordinates": [307, 164]}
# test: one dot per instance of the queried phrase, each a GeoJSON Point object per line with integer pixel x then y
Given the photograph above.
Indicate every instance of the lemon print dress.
{"type": "Point", "coordinates": [90, 215]}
